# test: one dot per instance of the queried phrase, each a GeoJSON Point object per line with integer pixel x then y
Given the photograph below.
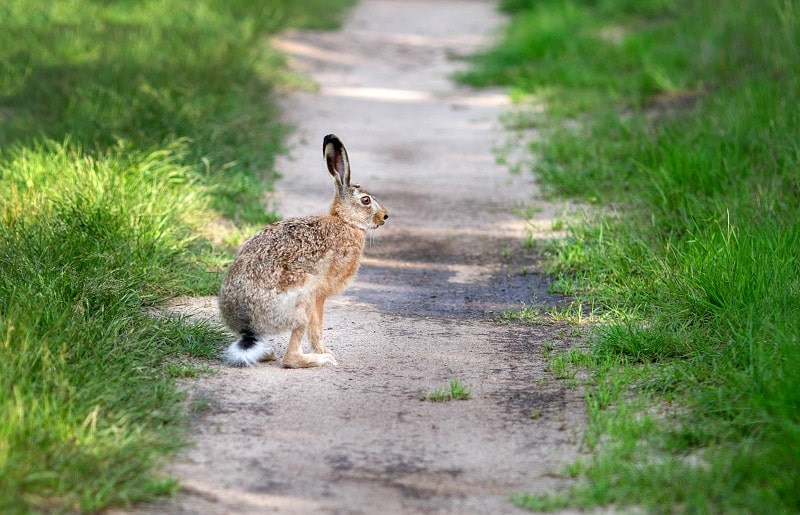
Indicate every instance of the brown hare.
{"type": "Point", "coordinates": [281, 276]}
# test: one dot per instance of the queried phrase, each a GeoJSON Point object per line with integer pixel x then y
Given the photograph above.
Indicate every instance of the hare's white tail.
{"type": "Point", "coordinates": [248, 350]}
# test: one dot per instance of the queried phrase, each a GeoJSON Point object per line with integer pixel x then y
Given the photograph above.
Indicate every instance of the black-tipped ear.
{"type": "Point", "coordinates": [337, 160]}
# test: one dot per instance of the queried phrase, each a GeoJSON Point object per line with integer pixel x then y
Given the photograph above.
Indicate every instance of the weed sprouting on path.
{"type": "Point", "coordinates": [455, 391]}
{"type": "Point", "coordinates": [686, 116]}
{"type": "Point", "coordinates": [124, 128]}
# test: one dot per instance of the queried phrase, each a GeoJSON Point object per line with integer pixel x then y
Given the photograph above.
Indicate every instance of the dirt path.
{"type": "Point", "coordinates": [357, 438]}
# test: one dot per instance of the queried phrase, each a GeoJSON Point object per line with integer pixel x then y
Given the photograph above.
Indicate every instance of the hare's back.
{"type": "Point", "coordinates": [289, 253]}
{"type": "Point", "coordinates": [296, 241]}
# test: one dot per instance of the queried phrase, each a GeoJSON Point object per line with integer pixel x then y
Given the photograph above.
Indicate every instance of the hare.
{"type": "Point", "coordinates": [282, 276]}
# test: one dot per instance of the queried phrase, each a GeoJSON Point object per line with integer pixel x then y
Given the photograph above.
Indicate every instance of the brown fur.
{"type": "Point", "coordinates": [282, 276]}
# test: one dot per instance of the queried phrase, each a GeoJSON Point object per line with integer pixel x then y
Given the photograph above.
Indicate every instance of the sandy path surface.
{"type": "Point", "coordinates": [357, 438]}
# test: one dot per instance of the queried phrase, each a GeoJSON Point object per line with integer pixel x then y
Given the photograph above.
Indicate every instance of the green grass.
{"type": "Point", "coordinates": [149, 72]}
{"type": "Point", "coordinates": [684, 118]}
{"type": "Point", "coordinates": [455, 391]}
{"type": "Point", "coordinates": [87, 243]}
{"type": "Point", "coordinates": [125, 127]}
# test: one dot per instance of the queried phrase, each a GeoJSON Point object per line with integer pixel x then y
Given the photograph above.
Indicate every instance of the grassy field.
{"type": "Point", "coordinates": [679, 122]}
{"type": "Point", "coordinates": [125, 127]}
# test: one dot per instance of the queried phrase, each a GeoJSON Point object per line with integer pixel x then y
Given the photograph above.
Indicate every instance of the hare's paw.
{"type": "Point", "coordinates": [320, 349]}
{"type": "Point", "coordinates": [308, 360]}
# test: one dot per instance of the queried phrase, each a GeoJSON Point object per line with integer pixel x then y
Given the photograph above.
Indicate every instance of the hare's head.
{"type": "Point", "coordinates": [351, 203]}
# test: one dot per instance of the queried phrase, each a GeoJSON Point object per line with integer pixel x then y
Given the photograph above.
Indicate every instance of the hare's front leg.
{"type": "Point", "coordinates": [294, 356]}
{"type": "Point", "coordinates": [315, 326]}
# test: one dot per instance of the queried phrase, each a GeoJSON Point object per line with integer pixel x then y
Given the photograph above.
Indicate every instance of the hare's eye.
{"type": "Point", "coordinates": [365, 200]}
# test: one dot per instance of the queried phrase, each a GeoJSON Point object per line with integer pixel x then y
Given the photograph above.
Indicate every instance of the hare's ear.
{"type": "Point", "coordinates": [338, 163]}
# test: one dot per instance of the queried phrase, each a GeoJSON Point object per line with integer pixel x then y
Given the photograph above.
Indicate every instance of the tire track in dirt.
{"type": "Point", "coordinates": [357, 438]}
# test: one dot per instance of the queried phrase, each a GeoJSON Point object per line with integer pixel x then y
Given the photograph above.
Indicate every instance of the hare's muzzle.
{"type": "Point", "coordinates": [380, 217]}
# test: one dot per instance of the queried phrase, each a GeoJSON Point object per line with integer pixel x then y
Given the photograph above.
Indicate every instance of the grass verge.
{"type": "Point", "coordinates": [682, 116]}
{"type": "Point", "coordinates": [125, 127]}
